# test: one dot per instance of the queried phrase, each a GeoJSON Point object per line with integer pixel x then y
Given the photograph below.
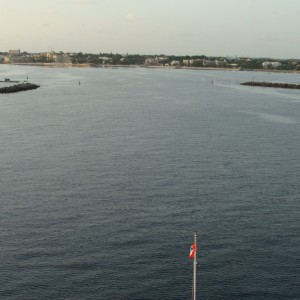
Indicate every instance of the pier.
{"type": "Point", "coordinates": [25, 86]}
{"type": "Point", "coordinates": [272, 84]}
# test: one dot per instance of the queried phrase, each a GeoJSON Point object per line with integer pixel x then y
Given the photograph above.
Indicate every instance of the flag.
{"type": "Point", "coordinates": [193, 250]}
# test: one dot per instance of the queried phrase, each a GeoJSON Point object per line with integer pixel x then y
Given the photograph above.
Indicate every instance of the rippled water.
{"type": "Point", "coordinates": [103, 184]}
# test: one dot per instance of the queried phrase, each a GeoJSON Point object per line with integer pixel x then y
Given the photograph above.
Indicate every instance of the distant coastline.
{"type": "Point", "coordinates": [89, 65]}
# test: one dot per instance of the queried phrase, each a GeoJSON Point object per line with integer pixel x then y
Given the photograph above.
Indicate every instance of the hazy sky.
{"type": "Point", "coordinates": [268, 28]}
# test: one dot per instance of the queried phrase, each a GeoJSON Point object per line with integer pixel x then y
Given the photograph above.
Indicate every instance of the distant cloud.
{"type": "Point", "coordinates": [130, 17]}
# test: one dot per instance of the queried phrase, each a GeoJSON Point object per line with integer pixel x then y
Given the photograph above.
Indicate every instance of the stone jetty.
{"type": "Point", "coordinates": [272, 84]}
{"type": "Point", "coordinates": [25, 86]}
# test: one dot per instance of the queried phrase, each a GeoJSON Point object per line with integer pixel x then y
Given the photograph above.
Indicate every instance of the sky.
{"type": "Point", "coordinates": [251, 28]}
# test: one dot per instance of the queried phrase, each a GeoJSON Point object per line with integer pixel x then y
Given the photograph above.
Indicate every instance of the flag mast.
{"type": "Point", "coordinates": [194, 266]}
{"type": "Point", "coordinates": [193, 255]}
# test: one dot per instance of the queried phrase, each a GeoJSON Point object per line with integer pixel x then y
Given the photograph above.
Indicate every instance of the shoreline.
{"type": "Point", "coordinates": [86, 65]}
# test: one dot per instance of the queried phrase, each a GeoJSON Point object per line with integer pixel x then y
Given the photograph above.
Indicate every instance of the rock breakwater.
{"type": "Point", "coordinates": [272, 84]}
{"type": "Point", "coordinates": [25, 86]}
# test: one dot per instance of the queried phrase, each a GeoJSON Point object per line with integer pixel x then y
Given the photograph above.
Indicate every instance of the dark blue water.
{"type": "Point", "coordinates": [103, 184]}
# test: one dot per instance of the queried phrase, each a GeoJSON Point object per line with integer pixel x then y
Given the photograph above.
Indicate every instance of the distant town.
{"type": "Point", "coordinates": [112, 59]}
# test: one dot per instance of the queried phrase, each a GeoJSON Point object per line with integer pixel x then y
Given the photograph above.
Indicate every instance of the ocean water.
{"type": "Point", "coordinates": [104, 183]}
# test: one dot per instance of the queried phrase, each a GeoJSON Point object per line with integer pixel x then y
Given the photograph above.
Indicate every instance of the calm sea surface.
{"type": "Point", "coordinates": [103, 183]}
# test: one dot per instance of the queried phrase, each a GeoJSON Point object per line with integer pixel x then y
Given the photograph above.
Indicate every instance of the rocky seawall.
{"type": "Point", "coordinates": [25, 86]}
{"type": "Point", "coordinates": [272, 84]}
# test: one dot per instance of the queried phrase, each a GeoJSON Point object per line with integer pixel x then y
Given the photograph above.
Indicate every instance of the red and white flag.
{"type": "Point", "coordinates": [193, 250]}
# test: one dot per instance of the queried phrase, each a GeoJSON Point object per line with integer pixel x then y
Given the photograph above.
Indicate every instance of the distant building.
{"type": "Point", "coordinates": [209, 63]}
{"type": "Point", "coordinates": [186, 62]}
{"type": "Point", "coordinates": [151, 61]}
{"type": "Point", "coordinates": [162, 58]}
{"type": "Point", "coordinates": [14, 52]}
{"type": "Point", "coordinates": [234, 65]}
{"type": "Point", "coordinates": [276, 64]}
{"type": "Point", "coordinates": [6, 60]}
{"type": "Point", "coordinates": [221, 63]}
{"type": "Point", "coordinates": [175, 63]}
{"type": "Point", "coordinates": [197, 62]}
{"type": "Point", "coordinates": [271, 64]}
{"type": "Point", "coordinates": [106, 60]}
{"type": "Point", "coordinates": [62, 58]}
{"type": "Point", "coordinates": [51, 55]}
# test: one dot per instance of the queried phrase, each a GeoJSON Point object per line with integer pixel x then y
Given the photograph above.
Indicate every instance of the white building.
{"type": "Point", "coordinates": [107, 60]}
{"type": "Point", "coordinates": [51, 55]}
{"type": "Point", "coordinates": [221, 63]}
{"type": "Point", "coordinates": [271, 64]}
{"type": "Point", "coordinates": [162, 58]}
{"type": "Point", "coordinates": [186, 62]}
{"type": "Point", "coordinates": [151, 61]}
{"type": "Point", "coordinates": [175, 63]}
{"type": "Point", "coordinates": [209, 63]}
{"type": "Point", "coordinates": [234, 65]}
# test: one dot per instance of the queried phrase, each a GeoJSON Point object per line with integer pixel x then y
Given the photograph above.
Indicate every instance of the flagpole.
{"type": "Point", "coordinates": [195, 264]}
